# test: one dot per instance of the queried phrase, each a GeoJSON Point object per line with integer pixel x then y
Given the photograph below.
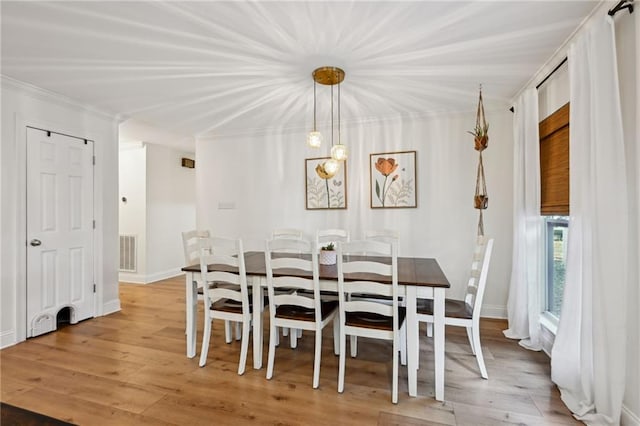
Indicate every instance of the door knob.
{"type": "Point", "coordinates": [35, 242]}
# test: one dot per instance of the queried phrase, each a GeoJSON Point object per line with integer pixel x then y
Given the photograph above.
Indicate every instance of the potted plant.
{"type": "Point", "coordinates": [328, 255]}
{"type": "Point", "coordinates": [481, 136]}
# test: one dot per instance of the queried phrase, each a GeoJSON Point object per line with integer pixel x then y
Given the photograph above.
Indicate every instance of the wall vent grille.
{"type": "Point", "coordinates": [128, 250]}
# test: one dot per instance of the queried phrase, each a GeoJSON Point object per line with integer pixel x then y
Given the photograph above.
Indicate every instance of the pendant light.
{"type": "Point", "coordinates": [329, 76]}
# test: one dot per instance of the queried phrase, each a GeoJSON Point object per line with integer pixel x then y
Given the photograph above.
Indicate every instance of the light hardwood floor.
{"type": "Point", "coordinates": [130, 368]}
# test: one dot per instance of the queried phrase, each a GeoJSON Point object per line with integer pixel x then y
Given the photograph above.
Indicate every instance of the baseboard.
{"type": "Point", "coordinates": [629, 418]}
{"type": "Point", "coordinates": [494, 311]}
{"type": "Point", "coordinates": [170, 273]}
{"type": "Point", "coordinates": [547, 337]}
{"type": "Point", "coordinates": [111, 306]}
{"type": "Point", "coordinates": [148, 279]}
{"type": "Point", "coordinates": [7, 338]}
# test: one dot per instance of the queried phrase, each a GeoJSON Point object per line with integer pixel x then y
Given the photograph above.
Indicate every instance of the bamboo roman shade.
{"type": "Point", "coordinates": [554, 163]}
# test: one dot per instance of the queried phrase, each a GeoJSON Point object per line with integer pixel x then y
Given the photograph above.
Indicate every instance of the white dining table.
{"type": "Point", "coordinates": [418, 278]}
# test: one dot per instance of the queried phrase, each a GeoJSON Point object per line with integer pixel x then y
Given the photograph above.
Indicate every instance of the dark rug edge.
{"type": "Point", "coordinates": [12, 415]}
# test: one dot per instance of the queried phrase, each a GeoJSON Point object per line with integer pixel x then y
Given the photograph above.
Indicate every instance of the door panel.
{"type": "Point", "coordinates": [59, 229]}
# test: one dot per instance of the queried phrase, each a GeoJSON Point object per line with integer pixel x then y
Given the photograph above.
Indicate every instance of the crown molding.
{"type": "Point", "coordinates": [58, 99]}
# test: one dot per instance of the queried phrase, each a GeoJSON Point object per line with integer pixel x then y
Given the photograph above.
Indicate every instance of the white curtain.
{"type": "Point", "coordinates": [588, 357]}
{"type": "Point", "coordinates": [523, 306]}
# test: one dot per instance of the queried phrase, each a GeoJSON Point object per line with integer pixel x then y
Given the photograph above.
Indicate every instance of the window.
{"type": "Point", "coordinates": [554, 203]}
{"type": "Point", "coordinates": [557, 231]}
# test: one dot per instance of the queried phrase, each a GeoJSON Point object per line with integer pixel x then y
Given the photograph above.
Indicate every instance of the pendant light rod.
{"type": "Point", "coordinates": [339, 114]}
{"type": "Point", "coordinates": [314, 105]}
{"type": "Point", "coordinates": [332, 115]}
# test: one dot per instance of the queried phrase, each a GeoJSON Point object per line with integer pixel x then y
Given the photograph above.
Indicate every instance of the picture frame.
{"type": "Point", "coordinates": [393, 180]}
{"type": "Point", "coordinates": [325, 194]}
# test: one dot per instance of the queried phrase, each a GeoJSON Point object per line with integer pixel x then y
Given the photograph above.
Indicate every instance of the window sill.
{"type": "Point", "coordinates": [548, 330]}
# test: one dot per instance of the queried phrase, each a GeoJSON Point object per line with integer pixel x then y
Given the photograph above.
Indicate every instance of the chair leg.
{"type": "Point", "coordinates": [205, 342]}
{"type": "Point", "coordinates": [394, 378]}
{"type": "Point", "coordinates": [277, 336]}
{"type": "Point", "coordinates": [354, 346]}
{"type": "Point", "coordinates": [293, 338]}
{"type": "Point", "coordinates": [429, 329]}
{"type": "Point", "coordinates": [336, 336]}
{"type": "Point", "coordinates": [316, 361]}
{"type": "Point", "coordinates": [244, 347]}
{"type": "Point", "coordinates": [470, 337]}
{"type": "Point", "coordinates": [273, 330]}
{"type": "Point", "coordinates": [238, 331]}
{"type": "Point", "coordinates": [228, 336]}
{"type": "Point", "coordinates": [285, 331]}
{"type": "Point", "coordinates": [478, 348]}
{"type": "Point", "coordinates": [341, 363]}
{"type": "Point", "coordinates": [403, 344]}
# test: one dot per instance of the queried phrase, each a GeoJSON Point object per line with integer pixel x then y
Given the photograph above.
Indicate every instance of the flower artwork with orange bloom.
{"type": "Point", "coordinates": [393, 183]}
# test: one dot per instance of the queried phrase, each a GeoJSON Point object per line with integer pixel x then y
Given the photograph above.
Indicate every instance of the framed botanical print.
{"type": "Point", "coordinates": [393, 180]}
{"type": "Point", "coordinates": [323, 190]}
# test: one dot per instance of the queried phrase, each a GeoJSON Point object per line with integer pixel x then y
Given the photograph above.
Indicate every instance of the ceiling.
{"type": "Point", "coordinates": [223, 68]}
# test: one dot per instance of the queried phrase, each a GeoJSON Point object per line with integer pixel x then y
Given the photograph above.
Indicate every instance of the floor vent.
{"type": "Point", "coordinates": [128, 248]}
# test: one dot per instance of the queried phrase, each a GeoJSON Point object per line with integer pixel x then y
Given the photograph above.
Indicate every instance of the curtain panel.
{"type": "Point", "coordinates": [523, 305]}
{"type": "Point", "coordinates": [588, 356]}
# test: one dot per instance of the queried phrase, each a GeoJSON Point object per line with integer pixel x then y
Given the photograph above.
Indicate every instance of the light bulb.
{"type": "Point", "coordinates": [339, 152]}
{"type": "Point", "coordinates": [314, 139]}
{"type": "Point", "coordinates": [331, 167]}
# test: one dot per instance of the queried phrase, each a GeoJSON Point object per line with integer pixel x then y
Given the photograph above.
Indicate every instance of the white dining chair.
{"type": "Point", "coordinates": [192, 244]}
{"type": "Point", "coordinates": [375, 275]}
{"type": "Point", "coordinates": [466, 312]}
{"type": "Point", "coordinates": [289, 233]}
{"type": "Point", "coordinates": [228, 301]}
{"type": "Point", "coordinates": [292, 309]}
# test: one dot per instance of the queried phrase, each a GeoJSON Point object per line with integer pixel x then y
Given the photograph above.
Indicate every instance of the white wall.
{"type": "Point", "coordinates": [161, 204]}
{"type": "Point", "coordinates": [264, 177]}
{"type": "Point", "coordinates": [24, 105]}
{"type": "Point", "coordinates": [133, 217]}
{"type": "Point", "coordinates": [171, 209]}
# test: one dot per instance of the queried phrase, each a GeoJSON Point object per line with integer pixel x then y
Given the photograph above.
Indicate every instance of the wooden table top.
{"type": "Point", "coordinates": [416, 271]}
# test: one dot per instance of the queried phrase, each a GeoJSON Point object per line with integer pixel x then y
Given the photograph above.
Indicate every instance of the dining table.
{"type": "Point", "coordinates": [418, 278]}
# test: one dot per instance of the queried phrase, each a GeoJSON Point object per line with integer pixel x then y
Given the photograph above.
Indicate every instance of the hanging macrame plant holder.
{"type": "Point", "coordinates": [481, 141]}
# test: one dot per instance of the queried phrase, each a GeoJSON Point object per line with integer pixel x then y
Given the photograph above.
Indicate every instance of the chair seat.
{"type": "Point", "coordinates": [230, 305]}
{"type": "Point", "coordinates": [306, 314]}
{"type": "Point", "coordinates": [373, 320]}
{"type": "Point", "coordinates": [452, 308]}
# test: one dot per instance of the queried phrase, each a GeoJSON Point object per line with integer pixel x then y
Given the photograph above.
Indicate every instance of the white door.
{"type": "Point", "coordinates": [59, 229]}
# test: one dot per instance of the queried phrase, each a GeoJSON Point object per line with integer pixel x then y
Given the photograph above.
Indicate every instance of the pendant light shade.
{"type": "Point", "coordinates": [314, 139]}
{"type": "Point", "coordinates": [331, 167]}
{"type": "Point", "coordinates": [339, 152]}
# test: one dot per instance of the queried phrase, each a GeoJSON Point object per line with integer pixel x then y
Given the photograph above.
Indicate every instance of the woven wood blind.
{"type": "Point", "coordinates": [554, 163]}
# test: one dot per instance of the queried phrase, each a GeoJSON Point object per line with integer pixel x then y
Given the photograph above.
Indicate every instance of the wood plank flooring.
{"type": "Point", "coordinates": [130, 368]}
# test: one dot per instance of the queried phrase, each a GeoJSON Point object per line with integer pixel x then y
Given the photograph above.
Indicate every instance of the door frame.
{"type": "Point", "coordinates": [21, 125]}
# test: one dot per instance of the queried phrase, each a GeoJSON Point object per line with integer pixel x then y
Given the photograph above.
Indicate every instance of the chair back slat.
{"type": "Point", "coordinates": [326, 236]}
{"type": "Point", "coordinates": [358, 266]}
{"type": "Point", "coordinates": [290, 263]}
{"type": "Point", "coordinates": [297, 283]}
{"type": "Point", "coordinates": [382, 235]}
{"type": "Point", "coordinates": [218, 293]}
{"type": "Point", "coordinates": [287, 233]}
{"type": "Point", "coordinates": [369, 287]}
{"type": "Point", "coordinates": [294, 300]}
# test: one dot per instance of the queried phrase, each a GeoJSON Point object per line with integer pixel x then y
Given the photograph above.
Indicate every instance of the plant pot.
{"type": "Point", "coordinates": [327, 257]}
{"type": "Point", "coordinates": [481, 142]}
{"type": "Point", "coordinates": [481, 201]}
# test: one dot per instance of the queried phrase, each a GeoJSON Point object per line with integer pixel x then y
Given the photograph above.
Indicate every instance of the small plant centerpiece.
{"type": "Point", "coordinates": [328, 255]}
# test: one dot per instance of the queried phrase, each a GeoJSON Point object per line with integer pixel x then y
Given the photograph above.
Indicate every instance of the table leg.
{"type": "Point", "coordinates": [192, 299]}
{"type": "Point", "coordinates": [412, 340]}
{"type": "Point", "coordinates": [258, 305]}
{"type": "Point", "coordinates": [438, 341]}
